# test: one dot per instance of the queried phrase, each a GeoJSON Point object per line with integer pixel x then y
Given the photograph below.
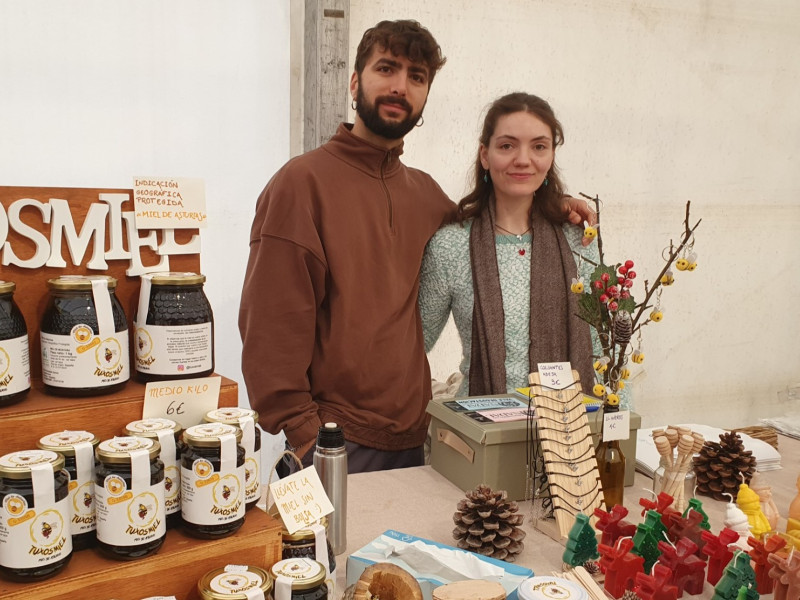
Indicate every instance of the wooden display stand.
{"type": "Point", "coordinates": [181, 561]}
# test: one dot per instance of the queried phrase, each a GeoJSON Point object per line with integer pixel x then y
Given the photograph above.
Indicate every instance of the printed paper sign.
{"type": "Point", "coordinates": [511, 414]}
{"type": "Point", "coordinates": [169, 203]}
{"type": "Point", "coordinates": [185, 401]}
{"type": "Point", "coordinates": [490, 403]}
{"type": "Point", "coordinates": [556, 376]}
{"type": "Point", "coordinates": [616, 426]}
{"type": "Point", "coordinates": [300, 499]}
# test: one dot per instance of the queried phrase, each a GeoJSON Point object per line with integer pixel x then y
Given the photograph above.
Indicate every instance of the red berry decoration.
{"type": "Point", "coordinates": [620, 280]}
{"type": "Point", "coordinates": [628, 283]}
{"type": "Point", "coordinates": [603, 298]}
{"type": "Point", "coordinates": [628, 264]}
{"type": "Point", "coordinates": [605, 277]}
{"type": "Point", "coordinates": [613, 306]}
{"type": "Point", "coordinates": [598, 285]}
{"type": "Point", "coordinates": [613, 291]}
{"type": "Point", "coordinates": [631, 274]}
{"type": "Point", "coordinates": [624, 295]}
{"type": "Point", "coordinates": [623, 269]}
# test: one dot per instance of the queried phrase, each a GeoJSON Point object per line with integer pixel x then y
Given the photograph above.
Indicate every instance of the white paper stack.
{"type": "Point", "coordinates": [647, 456]}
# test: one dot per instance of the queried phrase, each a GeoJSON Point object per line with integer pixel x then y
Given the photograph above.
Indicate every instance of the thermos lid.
{"type": "Point", "coordinates": [330, 436]}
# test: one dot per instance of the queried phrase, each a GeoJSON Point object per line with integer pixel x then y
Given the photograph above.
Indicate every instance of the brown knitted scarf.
{"type": "Point", "coordinates": [556, 332]}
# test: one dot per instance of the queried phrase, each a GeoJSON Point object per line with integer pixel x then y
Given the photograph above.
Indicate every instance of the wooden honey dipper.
{"type": "Point", "coordinates": [682, 463]}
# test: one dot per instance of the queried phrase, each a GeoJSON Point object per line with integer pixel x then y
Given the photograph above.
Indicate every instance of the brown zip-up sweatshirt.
{"type": "Point", "coordinates": [329, 318]}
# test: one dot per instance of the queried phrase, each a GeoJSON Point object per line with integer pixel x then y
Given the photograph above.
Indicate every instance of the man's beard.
{"type": "Point", "coordinates": [391, 130]}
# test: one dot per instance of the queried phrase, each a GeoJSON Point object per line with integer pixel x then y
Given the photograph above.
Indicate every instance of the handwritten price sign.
{"type": "Point", "coordinates": [300, 499]}
{"type": "Point", "coordinates": [556, 376]}
{"type": "Point", "coordinates": [185, 401]}
{"type": "Point", "coordinates": [616, 426]}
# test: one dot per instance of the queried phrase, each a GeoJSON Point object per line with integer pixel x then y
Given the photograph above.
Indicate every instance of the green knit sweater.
{"type": "Point", "coordinates": [446, 285]}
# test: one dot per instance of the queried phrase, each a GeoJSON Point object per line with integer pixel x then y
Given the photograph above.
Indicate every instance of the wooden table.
{"type": "Point", "coordinates": [421, 502]}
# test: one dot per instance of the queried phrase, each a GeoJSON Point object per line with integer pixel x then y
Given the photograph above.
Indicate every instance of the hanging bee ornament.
{"type": "Point", "coordinates": [598, 390]}
{"type": "Point", "coordinates": [668, 278]}
{"type": "Point", "coordinates": [601, 364]}
{"type": "Point", "coordinates": [577, 285]}
{"type": "Point", "coordinates": [692, 259]}
{"type": "Point", "coordinates": [589, 231]}
{"type": "Point", "coordinates": [638, 357]}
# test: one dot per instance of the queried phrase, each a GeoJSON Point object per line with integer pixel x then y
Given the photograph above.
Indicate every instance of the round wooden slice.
{"type": "Point", "coordinates": [386, 581]}
{"type": "Point", "coordinates": [473, 589]}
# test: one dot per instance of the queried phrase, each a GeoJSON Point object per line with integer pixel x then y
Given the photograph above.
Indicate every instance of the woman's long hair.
{"type": "Point", "coordinates": [549, 198]}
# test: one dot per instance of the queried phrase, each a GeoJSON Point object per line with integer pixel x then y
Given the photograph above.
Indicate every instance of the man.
{"type": "Point", "coordinates": [329, 318]}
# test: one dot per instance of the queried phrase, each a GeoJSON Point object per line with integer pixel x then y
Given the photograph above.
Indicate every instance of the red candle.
{"type": "Point", "coordinates": [656, 586]}
{"type": "Point", "coordinates": [612, 525]}
{"type": "Point", "coordinates": [619, 566]}
{"type": "Point", "coordinates": [688, 571]}
{"type": "Point", "coordinates": [760, 554]}
{"type": "Point", "coordinates": [718, 552]}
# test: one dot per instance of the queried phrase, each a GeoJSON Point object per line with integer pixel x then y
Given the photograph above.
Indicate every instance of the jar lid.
{"type": "Point", "coordinates": [206, 435]}
{"type": "Point", "coordinates": [118, 450]}
{"type": "Point", "coordinates": [149, 428]}
{"type": "Point", "coordinates": [230, 582]}
{"type": "Point", "coordinates": [305, 572]}
{"type": "Point", "coordinates": [546, 587]}
{"type": "Point", "coordinates": [79, 282]}
{"type": "Point", "coordinates": [177, 278]}
{"type": "Point", "coordinates": [17, 465]}
{"type": "Point", "coordinates": [301, 534]}
{"type": "Point", "coordinates": [7, 287]}
{"type": "Point", "coordinates": [229, 415]}
{"type": "Point", "coordinates": [64, 441]}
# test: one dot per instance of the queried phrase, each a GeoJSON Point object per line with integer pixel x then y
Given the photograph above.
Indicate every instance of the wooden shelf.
{"type": "Point", "coordinates": [173, 571]}
{"type": "Point", "coordinates": [39, 414]}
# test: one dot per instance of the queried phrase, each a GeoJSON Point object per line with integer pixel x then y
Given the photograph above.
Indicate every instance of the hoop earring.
{"type": "Point", "coordinates": [353, 104]}
{"type": "Point", "coordinates": [421, 121]}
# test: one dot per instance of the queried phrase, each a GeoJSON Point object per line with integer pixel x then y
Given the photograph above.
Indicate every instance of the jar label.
{"type": "Point", "coordinates": [252, 476]}
{"type": "Point", "coordinates": [84, 360]}
{"type": "Point", "coordinates": [234, 583]}
{"type": "Point", "coordinates": [15, 366]}
{"type": "Point", "coordinates": [129, 517]}
{"type": "Point", "coordinates": [32, 537]}
{"type": "Point", "coordinates": [210, 497]}
{"type": "Point", "coordinates": [174, 349]}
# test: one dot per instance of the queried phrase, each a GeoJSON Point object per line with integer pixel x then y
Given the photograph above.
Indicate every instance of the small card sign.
{"type": "Point", "coordinates": [185, 401]}
{"type": "Point", "coordinates": [616, 426]}
{"type": "Point", "coordinates": [556, 375]}
{"type": "Point", "coordinates": [169, 203]}
{"type": "Point", "coordinates": [300, 499]}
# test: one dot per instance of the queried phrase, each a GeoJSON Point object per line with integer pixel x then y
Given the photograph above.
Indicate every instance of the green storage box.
{"type": "Point", "coordinates": [470, 453]}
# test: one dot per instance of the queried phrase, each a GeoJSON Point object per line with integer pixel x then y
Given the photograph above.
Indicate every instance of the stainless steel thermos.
{"type": "Point", "coordinates": [330, 461]}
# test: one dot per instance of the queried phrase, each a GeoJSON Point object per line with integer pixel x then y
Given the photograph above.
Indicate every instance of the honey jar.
{"type": "Point", "coordinates": [212, 480]}
{"type": "Point", "coordinates": [306, 577]}
{"type": "Point", "coordinates": [15, 363]}
{"type": "Point", "coordinates": [129, 497]}
{"type": "Point", "coordinates": [35, 541]}
{"type": "Point", "coordinates": [236, 582]}
{"type": "Point", "coordinates": [77, 447]}
{"type": "Point", "coordinates": [245, 419]}
{"type": "Point", "coordinates": [168, 434]}
{"type": "Point", "coordinates": [311, 543]}
{"type": "Point", "coordinates": [84, 335]}
{"type": "Point", "coordinates": [174, 328]}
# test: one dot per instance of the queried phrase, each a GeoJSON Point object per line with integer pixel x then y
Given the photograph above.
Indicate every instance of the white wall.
{"type": "Point", "coordinates": [662, 102]}
{"type": "Point", "coordinates": [95, 92]}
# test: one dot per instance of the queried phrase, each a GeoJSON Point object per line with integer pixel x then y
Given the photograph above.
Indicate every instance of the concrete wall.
{"type": "Point", "coordinates": [662, 102]}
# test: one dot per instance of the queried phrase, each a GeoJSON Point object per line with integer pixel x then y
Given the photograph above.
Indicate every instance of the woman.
{"type": "Point", "coordinates": [506, 267]}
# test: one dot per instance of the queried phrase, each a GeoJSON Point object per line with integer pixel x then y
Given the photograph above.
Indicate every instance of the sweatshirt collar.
{"type": "Point", "coordinates": [372, 160]}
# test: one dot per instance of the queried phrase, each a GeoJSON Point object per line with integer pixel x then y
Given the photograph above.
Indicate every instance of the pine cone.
{"type": "Point", "coordinates": [630, 595]}
{"type": "Point", "coordinates": [720, 465]}
{"type": "Point", "coordinates": [623, 327]}
{"type": "Point", "coordinates": [487, 523]}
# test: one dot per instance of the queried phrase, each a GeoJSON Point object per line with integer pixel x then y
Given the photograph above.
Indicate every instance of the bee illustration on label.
{"type": "Point", "coordinates": [47, 530]}
{"type": "Point", "coordinates": [140, 343]}
{"type": "Point", "coordinates": [142, 511]}
{"type": "Point", "coordinates": [108, 354]}
{"type": "Point", "coordinates": [87, 499]}
{"type": "Point", "coordinates": [167, 483]}
{"type": "Point", "coordinates": [226, 492]}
